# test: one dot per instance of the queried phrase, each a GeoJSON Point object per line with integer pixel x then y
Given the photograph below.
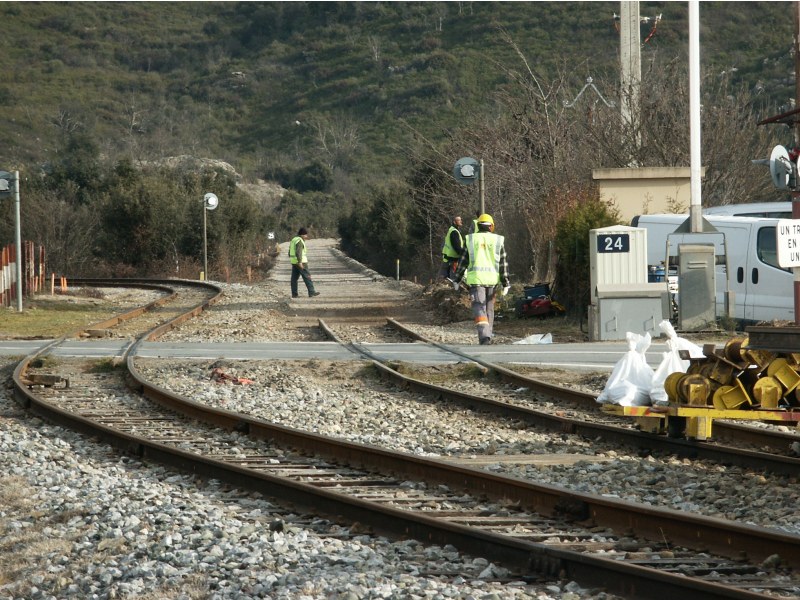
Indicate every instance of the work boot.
{"type": "Point", "coordinates": [313, 294]}
{"type": "Point", "coordinates": [485, 341]}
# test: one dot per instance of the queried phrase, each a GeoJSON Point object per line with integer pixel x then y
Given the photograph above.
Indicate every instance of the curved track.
{"type": "Point", "coordinates": [153, 432]}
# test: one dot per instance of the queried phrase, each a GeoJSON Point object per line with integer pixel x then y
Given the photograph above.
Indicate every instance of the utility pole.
{"type": "Point", "coordinates": [630, 62]}
{"type": "Point", "coordinates": [695, 202]}
{"type": "Point", "coordinates": [795, 192]}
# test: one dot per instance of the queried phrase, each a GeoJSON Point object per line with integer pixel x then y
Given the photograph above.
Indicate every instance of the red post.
{"type": "Point", "coordinates": [12, 261]}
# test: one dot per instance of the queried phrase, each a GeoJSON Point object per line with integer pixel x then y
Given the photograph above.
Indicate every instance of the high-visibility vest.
{"type": "Point", "coordinates": [484, 258]}
{"type": "Point", "coordinates": [293, 251]}
{"type": "Point", "coordinates": [448, 251]}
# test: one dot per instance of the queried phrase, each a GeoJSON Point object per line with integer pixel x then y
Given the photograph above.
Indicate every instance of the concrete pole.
{"type": "Point", "coordinates": [796, 193]}
{"type": "Point", "coordinates": [482, 191]}
{"type": "Point", "coordinates": [695, 204]}
{"type": "Point", "coordinates": [205, 245]}
{"type": "Point", "coordinates": [630, 62]}
{"type": "Point", "coordinates": [18, 240]}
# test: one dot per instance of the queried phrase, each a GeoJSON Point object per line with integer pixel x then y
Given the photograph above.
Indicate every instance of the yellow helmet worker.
{"type": "Point", "coordinates": [486, 219]}
{"type": "Point", "coordinates": [485, 264]}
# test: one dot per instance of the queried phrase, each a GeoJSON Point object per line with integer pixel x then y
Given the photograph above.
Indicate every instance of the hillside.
{"type": "Point", "coordinates": [121, 116]}
{"type": "Point", "coordinates": [255, 83]}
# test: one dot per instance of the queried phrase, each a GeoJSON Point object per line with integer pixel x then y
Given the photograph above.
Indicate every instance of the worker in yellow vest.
{"type": "Point", "coordinates": [299, 258]}
{"type": "Point", "coordinates": [486, 265]}
{"type": "Point", "coordinates": [475, 222]}
{"type": "Point", "coordinates": [453, 246]}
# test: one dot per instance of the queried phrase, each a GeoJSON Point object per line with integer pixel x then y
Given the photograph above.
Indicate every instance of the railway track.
{"type": "Point", "coordinates": [773, 451]}
{"type": "Point", "coordinates": [768, 449]}
{"type": "Point", "coordinates": [155, 429]}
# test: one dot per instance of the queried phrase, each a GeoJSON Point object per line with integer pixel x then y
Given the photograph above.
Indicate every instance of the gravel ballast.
{"type": "Point", "coordinates": [80, 520]}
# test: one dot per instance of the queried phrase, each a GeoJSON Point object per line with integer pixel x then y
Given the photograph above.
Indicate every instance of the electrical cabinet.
{"type": "Point", "coordinates": [696, 287]}
{"type": "Point", "coordinates": [622, 300]}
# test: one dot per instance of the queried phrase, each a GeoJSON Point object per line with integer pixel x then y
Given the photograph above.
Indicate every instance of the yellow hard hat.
{"type": "Point", "coordinates": [484, 218]}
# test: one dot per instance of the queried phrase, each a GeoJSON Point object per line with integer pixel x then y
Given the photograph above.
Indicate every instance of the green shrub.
{"type": "Point", "coordinates": [572, 247]}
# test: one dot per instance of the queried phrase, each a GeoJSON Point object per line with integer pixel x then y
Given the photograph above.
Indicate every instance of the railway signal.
{"type": "Point", "coordinates": [5, 184]}
{"type": "Point", "coordinates": [467, 170]}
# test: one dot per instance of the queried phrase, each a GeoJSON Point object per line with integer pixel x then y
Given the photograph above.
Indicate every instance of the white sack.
{"type": "Point", "coordinates": [671, 361]}
{"type": "Point", "coordinates": [632, 378]}
{"type": "Point", "coordinates": [537, 338]}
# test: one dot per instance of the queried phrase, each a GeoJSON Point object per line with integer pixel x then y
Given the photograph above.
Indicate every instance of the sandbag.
{"type": "Point", "coordinates": [671, 362]}
{"type": "Point", "coordinates": [537, 338]}
{"type": "Point", "coordinates": [631, 379]}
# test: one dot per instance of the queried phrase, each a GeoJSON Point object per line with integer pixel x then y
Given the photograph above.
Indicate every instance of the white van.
{"type": "Point", "coordinates": [762, 291]}
{"type": "Point", "coordinates": [774, 210]}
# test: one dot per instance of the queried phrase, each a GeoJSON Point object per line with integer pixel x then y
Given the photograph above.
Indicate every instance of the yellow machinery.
{"type": "Point", "coordinates": [736, 382]}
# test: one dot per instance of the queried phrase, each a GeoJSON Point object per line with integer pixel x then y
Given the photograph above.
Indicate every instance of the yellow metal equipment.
{"type": "Point", "coordinates": [736, 382]}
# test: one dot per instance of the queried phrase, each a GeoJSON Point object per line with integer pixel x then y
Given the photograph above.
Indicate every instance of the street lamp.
{"type": "Point", "coordinates": [210, 202]}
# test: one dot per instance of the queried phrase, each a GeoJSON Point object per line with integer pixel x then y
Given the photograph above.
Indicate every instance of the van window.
{"type": "Point", "coordinates": [766, 215]}
{"type": "Point", "coordinates": [766, 247]}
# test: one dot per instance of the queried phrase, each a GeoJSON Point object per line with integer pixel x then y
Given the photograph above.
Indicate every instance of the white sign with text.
{"type": "Point", "coordinates": [788, 242]}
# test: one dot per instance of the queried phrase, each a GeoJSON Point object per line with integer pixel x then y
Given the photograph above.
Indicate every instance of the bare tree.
{"type": "Point", "coordinates": [337, 137]}
{"type": "Point", "coordinates": [539, 156]}
{"type": "Point", "coordinates": [730, 135]}
{"type": "Point", "coordinates": [66, 228]}
{"type": "Point", "coordinates": [375, 47]}
{"type": "Point", "coordinates": [66, 122]}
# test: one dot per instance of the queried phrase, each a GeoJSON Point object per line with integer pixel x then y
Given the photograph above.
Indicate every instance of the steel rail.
{"type": "Point", "coordinates": [623, 578]}
{"type": "Point", "coordinates": [158, 331]}
{"type": "Point", "coordinates": [679, 528]}
{"type": "Point", "coordinates": [748, 459]}
{"type": "Point", "coordinates": [716, 537]}
{"type": "Point", "coordinates": [169, 294]}
{"type": "Point", "coordinates": [626, 579]}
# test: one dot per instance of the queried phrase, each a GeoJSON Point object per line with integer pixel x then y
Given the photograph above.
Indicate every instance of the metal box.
{"type": "Point", "coordinates": [696, 287]}
{"type": "Point", "coordinates": [617, 256]}
{"type": "Point", "coordinates": [618, 309]}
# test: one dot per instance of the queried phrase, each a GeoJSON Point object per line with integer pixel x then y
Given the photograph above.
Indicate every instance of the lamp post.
{"type": "Point", "coordinates": [7, 178]}
{"type": "Point", "coordinates": [210, 202]}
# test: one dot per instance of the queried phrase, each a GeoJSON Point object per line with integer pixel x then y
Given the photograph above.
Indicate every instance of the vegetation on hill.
{"type": "Point", "coordinates": [360, 110]}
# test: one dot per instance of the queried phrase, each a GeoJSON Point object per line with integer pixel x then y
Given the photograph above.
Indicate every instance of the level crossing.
{"type": "Point", "coordinates": [588, 356]}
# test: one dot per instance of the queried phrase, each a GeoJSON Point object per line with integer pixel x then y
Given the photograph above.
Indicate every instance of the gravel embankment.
{"type": "Point", "coordinates": [325, 398]}
{"type": "Point", "coordinates": [79, 520]}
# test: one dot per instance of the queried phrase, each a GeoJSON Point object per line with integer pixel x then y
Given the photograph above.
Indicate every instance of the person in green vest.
{"type": "Point", "coordinates": [299, 258]}
{"type": "Point", "coordinates": [475, 221]}
{"type": "Point", "coordinates": [485, 263]}
{"type": "Point", "coordinates": [451, 251]}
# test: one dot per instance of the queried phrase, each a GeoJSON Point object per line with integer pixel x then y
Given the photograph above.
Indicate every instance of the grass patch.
{"type": "Point", "coordinates": [105, 365]}
{"type": "Point", "coordinates": [47, 361]}
{"type": "Point", "coordinates": [441, 375]}
{"type": "Point", "coordinates": [53, 316]}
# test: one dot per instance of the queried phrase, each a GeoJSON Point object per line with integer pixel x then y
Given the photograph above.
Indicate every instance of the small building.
{"type": "Point", "coordinates": [645, 190]}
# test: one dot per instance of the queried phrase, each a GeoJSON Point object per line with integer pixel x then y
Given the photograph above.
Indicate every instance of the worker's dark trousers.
{"type": "Point", "coordinates": [297, 273]}
{"type": "Point", "coordinates": [482, 298]}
